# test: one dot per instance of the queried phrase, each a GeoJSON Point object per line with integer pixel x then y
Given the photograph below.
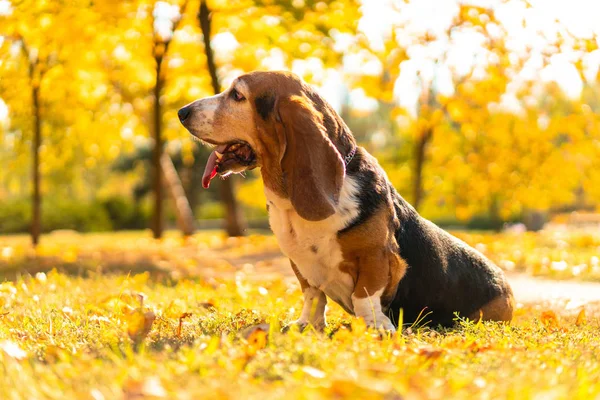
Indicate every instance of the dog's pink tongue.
{"type": "Point", "coordinates": [210, 171]}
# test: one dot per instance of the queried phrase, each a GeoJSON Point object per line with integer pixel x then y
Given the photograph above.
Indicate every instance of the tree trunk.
{"type": "Point", "coordinates": [235, 224]}
{"type": "Point", "coordinates": [234, 221]}
{"type": "Point", "coordinates": [183, 211]}
{"type": "Point", "coordinates": [157, 224]}
{"type": "Point", "coordinates": [419, 154]}
{"type": "Point", "coordinates": [162, 165]}
{"type": "Point", "coordinates": [188, 182]}
{"type": "Point", "coordinates": [36, 223]}
{"type": "Point", "coordinates": [494, 214]}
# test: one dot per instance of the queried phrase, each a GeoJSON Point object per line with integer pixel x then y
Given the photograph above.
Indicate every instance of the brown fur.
{"type": "Point", "coordinates": [303, 282]}
{"type": "Point", "coordinates": [371, 257]}
{"type": "Point", "coordinates": [313, 171]}
{"type": "Point", "coordinates": [499, 309]}
{"type": "Point", "coordinates": [299, 112]}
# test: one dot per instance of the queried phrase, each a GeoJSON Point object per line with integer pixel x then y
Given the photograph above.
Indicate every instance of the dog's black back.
{"type": "Point", "coordinates": [445, 276]}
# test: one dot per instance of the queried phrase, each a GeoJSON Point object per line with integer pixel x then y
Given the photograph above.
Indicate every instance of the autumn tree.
{"type": "Point", "coordinates": [446, 91]}
{"type": "Point", "coordinates": [38, 56]}
{"type": "Point", "coordinates": [517, 152]}
{"type": "Point", "coordinates": [165, 20]}
{"type": "Point", "coordinates": [484, 138]}
{"type": "Point", "coordinates": [138, 72]}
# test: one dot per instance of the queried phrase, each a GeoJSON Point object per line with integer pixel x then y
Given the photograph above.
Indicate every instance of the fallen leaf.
{"type": "Point", "coordinates": [148, 388]}
{"type": "Point", "coordinates": [207, 304]}
{"type": "Point", "coordinates": [363, 388]}
{"type": "Point", "coordinates": [54, 353]}
{"type": "Point", "coordinates": [314, 372]}
{"type": "Point", "coordinates": [98, 319]}
{"type": "Point", "coordinates": [256, 336]}
{"type": "Point", "coordinates": [429, 352]}
{"type": "Point", "coordinates": [139, 324]}
{"type": "Point", "coordinates": [13, 350]}
{"type": "Point", "coordinates": [477, 348]}
{"type": "Point", "coordinates": [550, 319]}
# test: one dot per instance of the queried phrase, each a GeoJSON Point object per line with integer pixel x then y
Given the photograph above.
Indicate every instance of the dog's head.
{"type": "Point", "coordinates": [277, 122]}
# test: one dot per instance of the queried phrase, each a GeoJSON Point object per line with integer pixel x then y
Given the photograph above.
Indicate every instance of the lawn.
{"type": "Point", "coordinates": [205, 320]}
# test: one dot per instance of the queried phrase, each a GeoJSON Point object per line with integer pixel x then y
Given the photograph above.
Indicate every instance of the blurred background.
{"type": "Point", "coordinates": [483, 113]}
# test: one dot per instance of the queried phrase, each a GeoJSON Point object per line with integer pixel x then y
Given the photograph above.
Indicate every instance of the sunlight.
{"type": "Point", "coordinates": [3, 113]}
{"type": "Point", "coordinates": [532, 27]}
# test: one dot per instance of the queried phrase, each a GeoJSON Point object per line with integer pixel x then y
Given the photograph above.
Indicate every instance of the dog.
{"type": "Point", "coordinates": [349, 235]}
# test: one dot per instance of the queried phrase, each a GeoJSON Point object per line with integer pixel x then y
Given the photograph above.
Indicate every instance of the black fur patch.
{"type": "Point", "coordinates": [264, 105]}
{"type": "Point", "coordinates": [314, 249]}
{"type": "Point", "coordinates": [371, 188]}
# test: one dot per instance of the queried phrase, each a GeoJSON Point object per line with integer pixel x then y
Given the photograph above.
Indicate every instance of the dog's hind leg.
{"type": "Point", "coordinates": [498, 309]}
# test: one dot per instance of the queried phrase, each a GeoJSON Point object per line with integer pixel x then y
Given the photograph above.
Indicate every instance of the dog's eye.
{"type": "Point", "coordinates": [237, 96]}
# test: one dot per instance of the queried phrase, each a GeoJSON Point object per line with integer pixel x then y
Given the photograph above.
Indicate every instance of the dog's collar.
{"type": "Point", "coordinates": [350, 156]}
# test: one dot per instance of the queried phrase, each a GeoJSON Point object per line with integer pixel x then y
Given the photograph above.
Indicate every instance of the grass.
{"type": "Point", "coordinates": [205, 321]}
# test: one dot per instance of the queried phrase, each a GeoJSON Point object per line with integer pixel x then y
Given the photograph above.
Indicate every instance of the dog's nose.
{"type": "Point", "coordinates": [183, 113]}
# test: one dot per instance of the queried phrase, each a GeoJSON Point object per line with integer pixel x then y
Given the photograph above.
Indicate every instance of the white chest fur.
{"type": "Point", "coordinates": [313, 246]}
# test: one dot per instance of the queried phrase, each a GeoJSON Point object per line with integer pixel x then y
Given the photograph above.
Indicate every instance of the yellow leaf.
{"type": "Point", "coordinates": [581, 318]}
{"type": "Point", "coordinates": [139, 324]}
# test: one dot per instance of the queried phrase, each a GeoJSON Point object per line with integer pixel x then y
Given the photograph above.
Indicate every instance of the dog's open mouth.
{"type": "Point", "coordinates": [229, 158]}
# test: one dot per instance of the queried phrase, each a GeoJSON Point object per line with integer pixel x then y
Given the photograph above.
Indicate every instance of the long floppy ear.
{"type": "Point", "coordinates": [313, 169]}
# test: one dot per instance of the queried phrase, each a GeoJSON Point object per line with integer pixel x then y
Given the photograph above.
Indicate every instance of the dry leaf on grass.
{"type": "Point", "coordinates": [581, 318]}
{"type": "Point", "coordinates": [257, 337]}
{"type": "Point", "coordinates": [139, 324]}
{"type": "Point", "coordinates": [148, 388]}
{"type": "Point", "coordinates": [313, 372]}
{"type": "Point", "coordinates": [478, 348]}
{"type": "Point", "coordinates": [550, 319]}
{"type": "Point", "coordinates": [429, 352]}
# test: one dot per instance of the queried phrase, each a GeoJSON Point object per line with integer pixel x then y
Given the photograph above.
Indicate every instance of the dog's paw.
{"type": "Point", "coordinates": [302, 325]}
{"type": "Point", "coordinates": [383, 324]}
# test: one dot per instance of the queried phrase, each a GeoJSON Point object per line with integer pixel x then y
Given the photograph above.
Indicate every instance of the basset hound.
{"type": "Point", "coordinates": [349, 235]}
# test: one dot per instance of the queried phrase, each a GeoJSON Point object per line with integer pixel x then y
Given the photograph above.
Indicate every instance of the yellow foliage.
{"type": "Point", "coordinates": [252, 193]}
{"type": "Point", "coordinates": [94, 64]}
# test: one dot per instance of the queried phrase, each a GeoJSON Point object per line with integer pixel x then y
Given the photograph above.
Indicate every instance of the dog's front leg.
{"type": "Point", "coordinates": [315, 301]}
{"type": "Point", "coordinates": [373, 273]}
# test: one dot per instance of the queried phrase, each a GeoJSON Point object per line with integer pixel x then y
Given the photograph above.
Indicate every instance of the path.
{"type": "Point", "coordinates": [568, 296]}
